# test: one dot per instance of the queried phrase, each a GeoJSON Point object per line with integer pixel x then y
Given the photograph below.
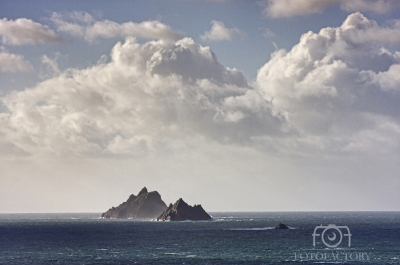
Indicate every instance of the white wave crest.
{"type": "Point", "coordinates": [252, 229]}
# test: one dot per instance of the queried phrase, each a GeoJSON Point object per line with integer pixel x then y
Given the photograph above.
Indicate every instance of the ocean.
{"type": "Point", "coordinates": [231, 238]}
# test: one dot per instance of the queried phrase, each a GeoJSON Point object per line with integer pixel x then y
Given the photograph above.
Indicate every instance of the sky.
{"type": "Point", "coordinates": [290, 105]}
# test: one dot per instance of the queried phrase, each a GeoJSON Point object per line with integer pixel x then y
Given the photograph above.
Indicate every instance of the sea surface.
{"type": "Point", "coordinates": [231, 238]}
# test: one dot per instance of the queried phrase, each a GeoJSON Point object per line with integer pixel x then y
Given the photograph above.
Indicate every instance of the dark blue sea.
{"type": "Point", "coordinates": [231, 238]}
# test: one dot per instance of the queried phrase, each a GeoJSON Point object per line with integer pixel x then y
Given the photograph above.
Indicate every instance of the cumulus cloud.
{"type": "Point", "coordinates": [219, 32]}
{"type": "Point", "coordinates": [336, 91]}
{"type": "Point", "coordinates": [289, 8]}
{"type": "Point", "coordinates": [146, 96]}
{"type": "Point", "coordinates": [339, 84]}
{"type": "Point", "coordinates": [82, 24]}
{"type": "Point", "coordinates": [13, 62]}
{"type": "Point", "coordinates": [25, 31]}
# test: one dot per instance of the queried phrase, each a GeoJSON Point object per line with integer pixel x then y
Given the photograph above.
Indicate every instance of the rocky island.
{"type": "Point", "coordinates": [144, 205]}
{"type": "Point", "coordinates": [281, 226]}
{"type": "Point", "coordinates": [181, 211]}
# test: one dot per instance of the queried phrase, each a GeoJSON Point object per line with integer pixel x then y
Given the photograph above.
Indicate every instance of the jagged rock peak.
{"type": "Point", "coordinates": [144, 205]}
{"type": "Point", "coordinates": [180, 201]}
{"type": "Point", "coordinates": [131, 198]}
{"type": "Point", "coordinates": [181, 211]}
{"type": "Point", "coordinates": [143, 191]}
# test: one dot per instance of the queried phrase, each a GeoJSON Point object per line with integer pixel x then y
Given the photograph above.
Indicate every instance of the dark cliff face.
{"type": "Point", "coordinates": [181, 211]}
{"type": "Point", "coordinates": [144, 205]}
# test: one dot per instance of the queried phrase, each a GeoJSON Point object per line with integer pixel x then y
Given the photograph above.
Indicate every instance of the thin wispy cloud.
{"type": "Point", "coordinates": [268, 33]}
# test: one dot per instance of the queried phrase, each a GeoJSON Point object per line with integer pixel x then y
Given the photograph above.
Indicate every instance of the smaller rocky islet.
{"type": "Point", "coordinates": [181, 211]}
{"type": "Point", "coordinates": [281, 226]}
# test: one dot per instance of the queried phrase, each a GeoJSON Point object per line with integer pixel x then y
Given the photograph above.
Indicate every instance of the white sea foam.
{"type": "Point", "coordinates": [328, 262]}
{"type": "Point", "coordinates": [258, 228]}
{"type": "Point", "coordinates": [251, 229]}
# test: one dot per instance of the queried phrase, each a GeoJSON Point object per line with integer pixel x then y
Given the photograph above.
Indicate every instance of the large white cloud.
{"type": "Point", "coordinates": [25, 31]}
{"type": "Point", "coordinates": [339, 85]}
{"type": "Point", "coordinates": [219, 32]}
{"type": "Point", "coordinates": [333, 92]}
{"type": "Point", "coordinates": [289, 8]}
{"type": "Point", "coordinates": [147, 94]}
{"type": "Point", "coordinates": [84, 25]}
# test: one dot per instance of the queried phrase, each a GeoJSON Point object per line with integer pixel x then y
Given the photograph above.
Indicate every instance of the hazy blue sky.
{"type": "Point", "coordinates": [238, 105]}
